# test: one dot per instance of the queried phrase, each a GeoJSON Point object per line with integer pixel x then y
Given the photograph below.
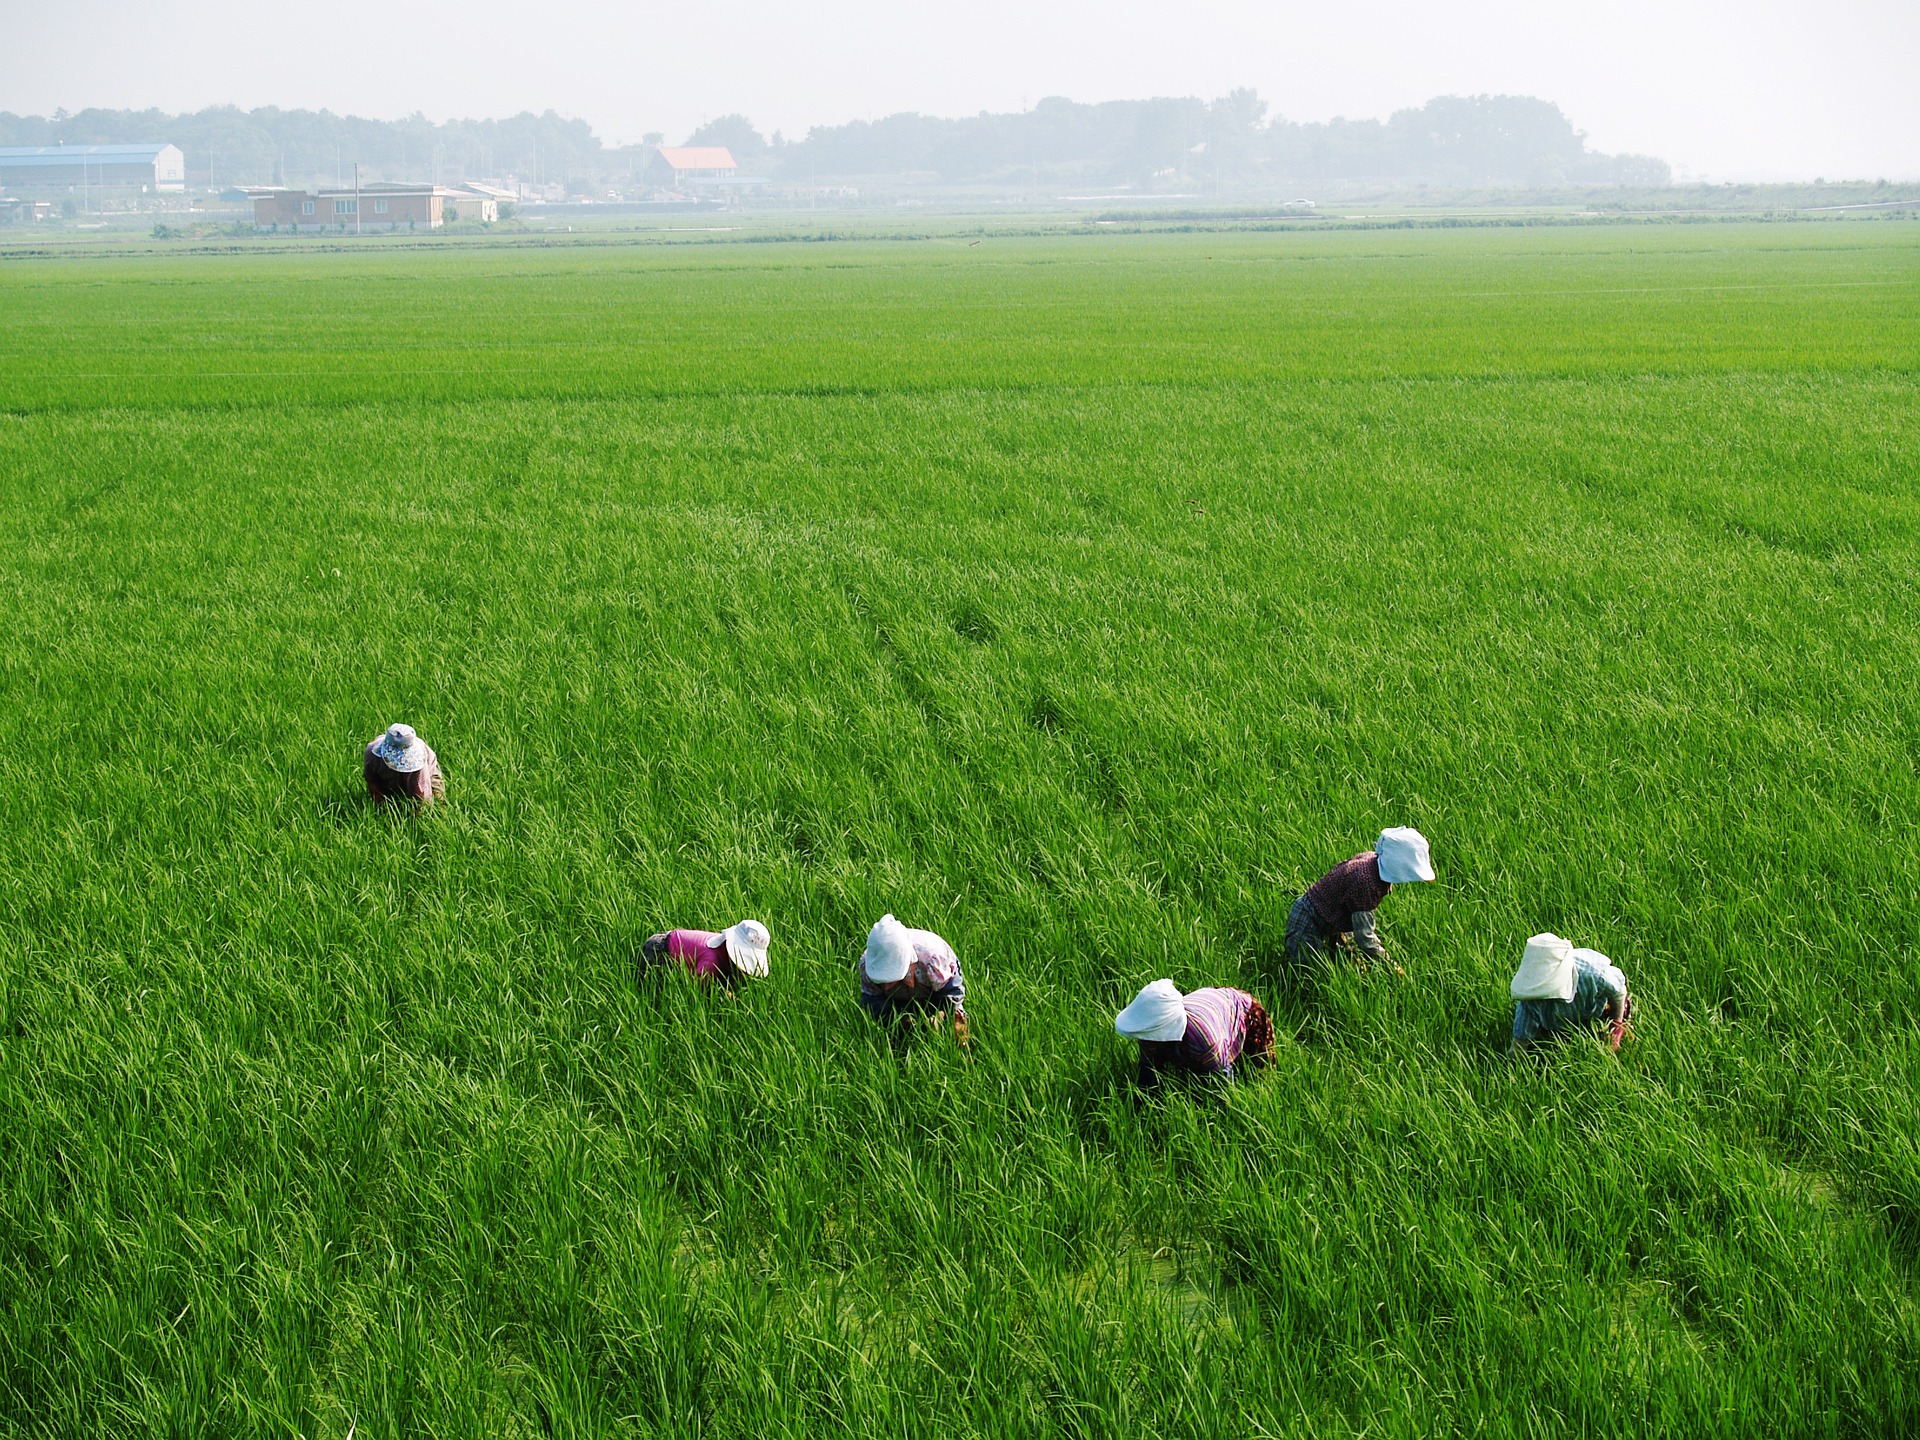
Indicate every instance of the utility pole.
{"type": "Point", "coordinates": [356, 197]}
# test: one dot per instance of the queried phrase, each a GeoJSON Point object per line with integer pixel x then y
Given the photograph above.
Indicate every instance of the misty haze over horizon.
{"type": "Point", "coordinates": [1226, 148]}
{"type": "Point", "coordinates": [1758, 90]}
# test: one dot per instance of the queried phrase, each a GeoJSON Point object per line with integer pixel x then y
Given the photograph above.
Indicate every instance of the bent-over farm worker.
{"type": "Point", "coordinates": [1560, 988]}
{"type": "Point", "coordinates": [1342, 901]}
{"type": "Point", "coordinates": [399, 765]}
{"type": "Point", "coordinates": [1204, 1033]}
{"type": "Point", "coordinates": [906, 973]}
{"type": "Point", "coordinates": [713, 956]}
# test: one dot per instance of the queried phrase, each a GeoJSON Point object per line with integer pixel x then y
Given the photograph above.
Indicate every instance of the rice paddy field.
{"type": "Point", "coordinates": [1081, 598]}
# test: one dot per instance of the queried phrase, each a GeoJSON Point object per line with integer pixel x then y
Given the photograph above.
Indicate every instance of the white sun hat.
{"type": "Point", "coordinates": [746, 945]}
{"type": "Point", "coordinates": [1403, 855]}
{"type": "Point", "coordinates": [402, 750]}
{"type": "Point", "coordinates": [889, 951]}
{"type": "Point", "coordinates": [1157, 1013]}
{"type": "Point", "coordinates": [1546, 970]}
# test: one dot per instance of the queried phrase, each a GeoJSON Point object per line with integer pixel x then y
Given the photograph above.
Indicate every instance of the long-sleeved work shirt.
{"type": "Point", "coordinates": [1599, 993]}
{"type": "Point", "coordinates": [1216, 1034]}
{"type": "Point", "coordinates": [932, 981]}
{"type": "Point", "coordinates": [1342, 901]}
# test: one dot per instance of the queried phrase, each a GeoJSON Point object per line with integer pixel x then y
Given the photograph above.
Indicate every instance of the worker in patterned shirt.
{"type": "Point", "coordinates": [907, 974]}
{"type": "Point", "coordinates": [720, 957]}
{"type": "Point", "coordinates": [1342, 901]}
{"type": "Point", "coordinates": [1205, 1033]}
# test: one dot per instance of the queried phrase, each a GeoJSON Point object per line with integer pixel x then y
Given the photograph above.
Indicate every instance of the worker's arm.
{"type": "Point", "coordinates": [952, 995]}
{"type": "Point", "coordinates": [1617, 1020]}
{"type": "Point", "coordinates": [1366, 938]}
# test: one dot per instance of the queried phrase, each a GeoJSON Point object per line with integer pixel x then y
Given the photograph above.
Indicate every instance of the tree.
{"type": "Point", "coordinates": [736, 132]}
{"type": "Point", "coordinates": [1233, 134]}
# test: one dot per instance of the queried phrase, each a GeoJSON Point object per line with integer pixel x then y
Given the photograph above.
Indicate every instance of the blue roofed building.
{"type": "Point", "coordinates": [141, 168]}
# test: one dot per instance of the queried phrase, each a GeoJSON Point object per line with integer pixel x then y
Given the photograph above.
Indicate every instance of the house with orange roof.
{"type": "Point", "coordinates": [684, 167]}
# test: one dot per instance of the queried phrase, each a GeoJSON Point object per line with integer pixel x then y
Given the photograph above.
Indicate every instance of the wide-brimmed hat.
{"type": "Point", "coordinates": [402, 750]}
{"type": "Point", "coordinates": [1403, 855]}
{"type": "Point", "coordinates": [889, 951]}
{"type": "Point", "coordinates": [1157, 1013]}
{"type": "Point", "coordinates": [746, 944]}
{"type": "Point", "coordinates": [1546, 970]}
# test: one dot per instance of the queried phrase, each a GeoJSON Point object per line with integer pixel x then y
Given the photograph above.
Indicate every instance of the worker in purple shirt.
{"type": "Point", "coordinates": [1205, 1033]}
{"type": "Point", "coordinates": [907, 974]}
{"type": "Point", "coordinates": [1342, 901]}
{"type": "Point", "coordinates": [398, 765]}
{"type": "Point", "coordinates": [720, 957]}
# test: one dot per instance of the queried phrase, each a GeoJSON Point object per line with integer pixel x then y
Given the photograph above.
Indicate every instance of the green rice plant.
{"type": "Point", "coordinates": [1082, 599]}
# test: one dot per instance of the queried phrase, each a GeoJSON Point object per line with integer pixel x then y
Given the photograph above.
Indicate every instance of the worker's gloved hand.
{"type": "Point", "coordinates": [1620, 1015]}
{"type": "Point", "coordinates": [960, 1031]}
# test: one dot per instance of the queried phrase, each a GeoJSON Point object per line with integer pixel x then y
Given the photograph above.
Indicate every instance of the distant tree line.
{"type": "Point", "coordinates": [1224, 144]}
{"type": "Point", "coordinates": [228, 146]}
{"type": "Point", "coordinates": [1221, 146]}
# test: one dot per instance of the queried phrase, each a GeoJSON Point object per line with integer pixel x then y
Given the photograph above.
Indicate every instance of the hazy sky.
{"type": "Point", "coordinates": [1724, 89]}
